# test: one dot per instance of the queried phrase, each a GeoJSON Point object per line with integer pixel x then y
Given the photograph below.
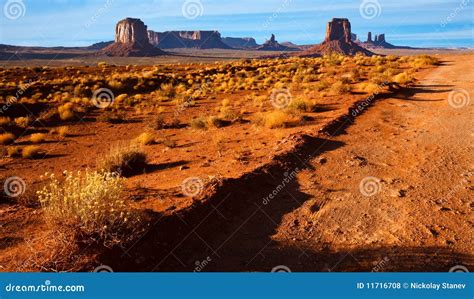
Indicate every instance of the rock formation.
{"type": "Point", "coordinates": [273, 45]}
{"type": "Point", "coordinates": [240, 42]}
{"type": "Point", "coordinates": [338, 40]}
{"type": "Point", "coordinates": [131, 39]}
{"type": "Point", "coordinates": [379, 42]}
{"type": "Point", "coordinates": [187, 39]}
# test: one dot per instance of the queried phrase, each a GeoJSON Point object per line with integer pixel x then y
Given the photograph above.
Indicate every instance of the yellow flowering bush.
{"type": "Point", "coordinates": [91, 203]}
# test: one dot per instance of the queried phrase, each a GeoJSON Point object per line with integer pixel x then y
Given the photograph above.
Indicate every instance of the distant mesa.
{"type": "Point", "coordinates": [131, 40]}
{"type": "Point", "coordinates": [339, 39]}
{"type": "Point", "coordinates": [187, 39]}
{"type": "Point", "coordinates": [273, 45]}
{"type": "Point", "coordinates": [240, 42]}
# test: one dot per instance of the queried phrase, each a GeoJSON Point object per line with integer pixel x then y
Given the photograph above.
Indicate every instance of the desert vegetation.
{"type": "Point", "coordinates": [118, 130]}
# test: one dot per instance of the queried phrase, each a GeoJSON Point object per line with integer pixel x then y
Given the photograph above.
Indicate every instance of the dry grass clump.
{"type": "Point", "coordinates": [92, 204]}
{"type": "Point", "coordinates": [37, 138]}
{"type": "Point", "coordinates": [66, 111]}
{"type": "Point", "coordinates": [7, 138]}
{"type": "Point", "coordinates": [403, 78]}
{"type": "Point", "coordinates": [23, 122]}
{"type": "Point", "coordinates": [301, 105]}
{"type": "Point", "coordinates": [424, 60]}
{"type": "Point", "coordinates": [5, 121]}
{"type": "Point", "coordinates": [369, 87]}
{"type": "Point", "coordinates": [199, 123]}
{"type": "Point", "coordinates": [61, 131]}
{"type": "Point", "coordinates": [340, 87]}
{"type": "Point", "coordinates": [124, 158]}
{"type": "Point", "coordinates": [274, 119]}
{"type": "Point", "coordinates": [31, 152]}
{"type": "Point", "coordinates": [13, 151]}
{"type": "Point", "coordinates": [145, 139]}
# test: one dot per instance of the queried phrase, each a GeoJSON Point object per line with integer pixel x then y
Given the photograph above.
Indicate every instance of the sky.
{"type": "Point", "coordinates": [420, 23]}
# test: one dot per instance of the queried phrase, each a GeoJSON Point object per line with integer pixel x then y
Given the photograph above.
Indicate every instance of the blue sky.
{"type": "Point", "coordinates": [422, 23]}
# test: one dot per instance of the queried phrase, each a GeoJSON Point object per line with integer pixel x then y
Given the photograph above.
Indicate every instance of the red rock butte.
{"type": "Point", "coordinates": [338, 40]}
{"type": "Point", "coordinates": [131, 40]}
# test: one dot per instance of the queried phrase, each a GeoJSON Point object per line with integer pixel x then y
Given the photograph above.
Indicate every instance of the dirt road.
{"type": "Point", "coordinates": [394, 192]}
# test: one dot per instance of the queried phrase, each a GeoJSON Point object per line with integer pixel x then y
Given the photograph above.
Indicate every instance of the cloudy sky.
{"type": "Point", "coordinates": [446, 23]}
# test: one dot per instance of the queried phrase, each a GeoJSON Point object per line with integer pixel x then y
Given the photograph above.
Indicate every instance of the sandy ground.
{"type": "Point", "coordinates": [392, 191]}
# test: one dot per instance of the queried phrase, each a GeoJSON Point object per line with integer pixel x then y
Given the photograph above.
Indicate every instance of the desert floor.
{"type": "Point", "coordinates": [391, 190]}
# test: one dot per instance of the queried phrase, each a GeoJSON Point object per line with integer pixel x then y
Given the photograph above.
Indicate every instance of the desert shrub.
{"type": "Point", "coordinates": [300, 105]}
{"type": "Point", "coordinates": [424, 60]}
{"type": "Point", "coordinates": [123, 158]}
{"type": "Point", "coordinates": [322, 85]}
{"type": "Point", "coordinates": [61, 131]}
{"type": "Point", "coordinates": [403, 79]}
{"type": "Point", "coordinates": [38, 137]}
{"type": "Point", "coordinates": [273, 120]}
{"type": "Point", "coordinates": [157, 123]}
{"type": "Point", "coordinates": [31, 152]}
{"type": "Point", "coordinates": [13, 151]}
{"type": "Point", "coordinates": [66, 111]}
{"type": "Point", "coordinates": [145, 139]}
{"type": "Point", "coordinates": [198, 123]}
{"type": "Point", "coordinates": [340, 88]}
{"type": "Point", "coordinates": [92, 204]}
{"type": "Point", "coordinates": [5, 121]}
{"type": "Point", "coordinates": [22, 122]}
{"type": "Point", "coordinates": [7, 138]}
{"type": "Point", "coordinates": [369, 87]}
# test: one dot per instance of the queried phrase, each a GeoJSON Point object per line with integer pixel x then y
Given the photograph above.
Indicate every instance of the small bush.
{"type": "Point", "coordinates": [198, 123]}
{"type": "Point", "coordinates": [7, 138]}
{"type": "Point", "coordinates": [37, 138]}
{"type": "Point", "coordinates": [31, 152]}
{"type": "Point", "coordinates": [13, 151]}
{"type": "Point", "coordinates": [403, 79]}
{"type": "Point", "coordinates": [61, 131]}
{"type": "Point", "coordinates": [23, 122]}
{"type": "Point", "coordinates": [92, 204]}
{"type": "Point", "coordinates": [5, 121]}
{"type": "Point", "coordinates": [340, 88]}
{"type": "Point", "coordinates": [274, 119]}
{"type": "Point", "coordinates": [111, 117]}
{"type": "Point", "coordinates": [123, 158]}
{"type": "Point", "coordinates": [145, 139]}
